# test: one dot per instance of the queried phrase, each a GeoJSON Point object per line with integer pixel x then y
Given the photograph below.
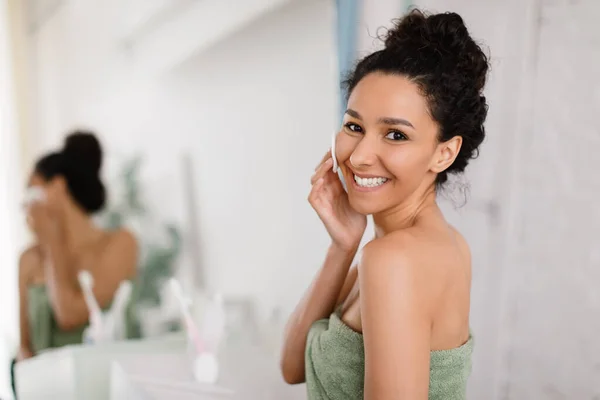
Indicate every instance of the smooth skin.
{"type": "Point", "coordinates": [410, 292]}
{"type": "Point", "coordinates": [67, 242]}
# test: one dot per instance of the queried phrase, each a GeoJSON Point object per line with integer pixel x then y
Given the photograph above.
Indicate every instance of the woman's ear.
{"type": "Point", "coordinates": [445, 154]}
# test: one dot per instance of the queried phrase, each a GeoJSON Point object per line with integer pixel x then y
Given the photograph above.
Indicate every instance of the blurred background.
{"type": "Point", "coordinates": [214, 113]}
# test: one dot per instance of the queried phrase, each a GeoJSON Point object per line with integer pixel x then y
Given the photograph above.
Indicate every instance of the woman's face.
{"type": "Point", "coordinates": [388, 147]}
{"type": "Point", "coordinates": [53, 190]}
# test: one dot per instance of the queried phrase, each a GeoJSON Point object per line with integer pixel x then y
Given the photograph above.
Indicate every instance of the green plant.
{"type": "Point", "coordinates": [157, 260]}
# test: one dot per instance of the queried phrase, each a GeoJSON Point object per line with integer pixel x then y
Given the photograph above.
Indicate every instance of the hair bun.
{"type": "Point", "coordinates": [82, 148]}
{"type": "Point", "coordinates": [444, 35]}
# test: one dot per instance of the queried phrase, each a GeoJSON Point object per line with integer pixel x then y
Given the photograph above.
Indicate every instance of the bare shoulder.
{"type": "Point", "coordinates": [121, 251]}
{"type": "Point", "coordinates": [436, 246]}
{"type": "Point", "coordinates": [30, 255]}
{"type": "Point", "coordinates": [30, 262]}
{"type": "Point", "coordinates": [395, 257]}
{"type": "Point", "coordinates": [405, 248]}
{"type": "Point", "coordinates": [424, 258]}
{"type": "Point", "coordinates": [394, 277]}
{"type": "Point", "coordinates": [390, 249]}
{"type": "Point", "coordinates": [122, 238]}
{"type": "Point", "coordinates": [461, 243]}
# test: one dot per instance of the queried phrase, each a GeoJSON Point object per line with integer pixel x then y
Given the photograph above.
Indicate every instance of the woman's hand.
{"type": "Point", "coordinates": [44, 224]}
{"type": "Point", "coordinates": [329, 199]}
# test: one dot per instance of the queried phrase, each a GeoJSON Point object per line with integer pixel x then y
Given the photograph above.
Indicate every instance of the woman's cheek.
{"type": "Point", "coordinates": [345, 145]}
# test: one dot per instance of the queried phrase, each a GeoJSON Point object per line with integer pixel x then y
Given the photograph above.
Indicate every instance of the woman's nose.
{"type": "Point", "coordinates": [365, 153]}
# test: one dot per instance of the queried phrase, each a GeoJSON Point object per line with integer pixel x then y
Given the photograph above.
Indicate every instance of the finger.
{"type": "Point", "coordinates": [318, 201]}
{"type": "Point", "coordinates": [315, 191]}
{"type": "Point", "coordinates": [322, 170]}
{"type": "Point", "coordinates": [317, 187]}
{"type": "Point", "coordinates": [319, 184]}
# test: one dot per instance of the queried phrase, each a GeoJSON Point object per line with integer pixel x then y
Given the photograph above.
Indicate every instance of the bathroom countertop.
{"type": "Point", "coordinates": [153, 368]}
{"type": "Point", "coordinates": [246, 372]}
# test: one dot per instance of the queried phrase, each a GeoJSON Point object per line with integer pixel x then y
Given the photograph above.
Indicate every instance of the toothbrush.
{"type": "Point", "coordinates": [192, 330]}
{"type": "Point", "coordinates": [213, 324]}
{"type": "Point", "coordinates": [115, 314]}
{"type": "Point", "coordinates": [205, 366]}
{"type": "Point", "coordinates": [86, 281]}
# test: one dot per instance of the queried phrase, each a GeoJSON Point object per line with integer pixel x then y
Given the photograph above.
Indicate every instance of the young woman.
{"type": "Point", "coordinates": [53, 312]}
{"type": "Point", "coordinates": [396, 326]}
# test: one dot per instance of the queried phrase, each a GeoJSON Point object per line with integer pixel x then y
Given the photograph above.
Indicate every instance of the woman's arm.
{"type": "Point", "coordinates": [117, 262]}
{"type": "Point", "coordinates": [396, 321]}
{"type": "Point", "coordinates": [28, 262]}
{"type": "Point", "coordinates": [346, 228]}
{"type": "Point", "coordinates": [318, 302]}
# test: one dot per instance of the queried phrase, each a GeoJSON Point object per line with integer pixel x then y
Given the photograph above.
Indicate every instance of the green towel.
{"type": "Point", "coordinates": [44, 330]}
{"type": "Point", "coordinates": [335, 365]}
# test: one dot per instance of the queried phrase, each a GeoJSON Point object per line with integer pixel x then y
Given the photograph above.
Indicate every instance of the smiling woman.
{"type": "Point", "coordinates": [396, 326]}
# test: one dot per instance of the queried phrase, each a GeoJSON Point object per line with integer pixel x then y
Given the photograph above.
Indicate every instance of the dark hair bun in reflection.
{"type": "Point", "coordinates": [79, 163]}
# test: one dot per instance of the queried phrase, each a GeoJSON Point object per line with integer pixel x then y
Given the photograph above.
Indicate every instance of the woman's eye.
{"type": "Point", "coordinates": [353, 127]}
{"type": "Point", "coordinates": [396, 135]}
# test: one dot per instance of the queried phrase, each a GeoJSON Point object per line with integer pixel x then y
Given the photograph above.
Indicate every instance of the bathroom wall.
{"type": "Point", "coordinates": [535, 299]}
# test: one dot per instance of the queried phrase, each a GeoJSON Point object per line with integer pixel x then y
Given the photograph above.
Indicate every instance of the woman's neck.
{"type": "Point", "coordinates": [405, 214]}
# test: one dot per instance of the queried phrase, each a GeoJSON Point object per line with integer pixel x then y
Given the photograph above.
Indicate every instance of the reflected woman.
{"type": "Point", "coordinates": [53, 312]}
{"type": "Point", "coordinates": [396, 326]}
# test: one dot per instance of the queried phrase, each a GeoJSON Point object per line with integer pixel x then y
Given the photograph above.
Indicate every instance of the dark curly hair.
{"type": "Point", "coordinates": [437, 53]}
{"type": "Point", "coordinates": [79, 163]}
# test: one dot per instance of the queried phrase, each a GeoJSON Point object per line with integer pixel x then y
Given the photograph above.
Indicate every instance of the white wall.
{"type": "Point", "coordinates": [375, 16]}
{"type": "Point", "coordinates": [10, 234]}
{"type": "Point", "coordinates": [534, 305]}
{"type": "Point", "coordinates": [553, 307]}
{"type": "Point", "coordinates": [255, 111]}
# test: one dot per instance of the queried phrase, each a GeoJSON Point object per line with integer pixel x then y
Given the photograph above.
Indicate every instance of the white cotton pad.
{"type": "Point", "coordinates": [336, 168]}
{"type": "Point", "coordinates": [33, 195]}
{"type": "Point", "coordinates": [335, 163]}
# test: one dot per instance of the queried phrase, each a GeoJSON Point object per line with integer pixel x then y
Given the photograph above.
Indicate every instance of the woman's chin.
{"type": "Point", "coordinates": [363, 207]}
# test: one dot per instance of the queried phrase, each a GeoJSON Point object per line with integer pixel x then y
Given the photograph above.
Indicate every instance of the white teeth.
{"type": "Point", "coordinates": [369, 182]}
